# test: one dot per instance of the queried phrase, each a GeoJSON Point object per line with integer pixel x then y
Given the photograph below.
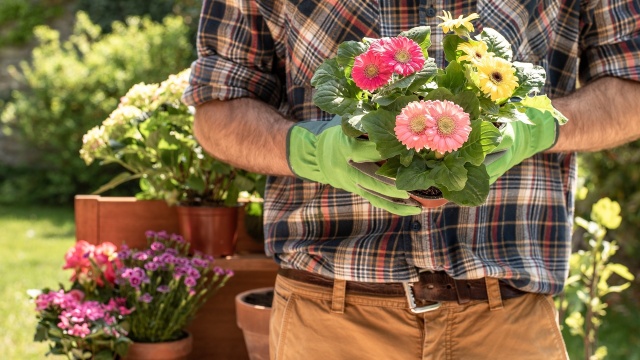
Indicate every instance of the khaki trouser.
{"type": "Point", "coordinates": [312, 322]}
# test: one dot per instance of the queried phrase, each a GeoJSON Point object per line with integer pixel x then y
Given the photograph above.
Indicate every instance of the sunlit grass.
{"type": "Point", "coordinates": [32, 246]}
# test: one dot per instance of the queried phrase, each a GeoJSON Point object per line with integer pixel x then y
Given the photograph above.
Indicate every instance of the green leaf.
{"type": "Point", "coordinates": [531, 79]}
{"type": "Point", "coordinates": [196, 183]}
{"type": "Point", "coordinates": [380, 126]}
{"type": "Point", "coordinates": [416, 176]}
{"type": "Point", "coordinates": [497, 44]}
{"type": "Point", "coordinates": [390, 168]}
{"type": "Point", "coordinates": [621, 270]}
{"type": "Point", "coordinates": [489, 106]}
{"type": "Point", "coordinates": [484, 137]}
{"type": "Point", "coordinates": [450, 44]}
{"type": "Point", "coordinates": [450, 173]}
{"type": "Point", "coordinates": [401, 102]}
{"type": "Point", "coordinates": [543, 103]}
{"type": "Point", "coordinates": [421, 35]}
{"type": "Point", "coordinates": [453, 77]}
{"type": "Point", "coordinates": [407, 157]}
{"type": "Point", "coordinates": [510, 112]}
{"type": "Point", "coordinates": [476, 189]}
{"type": "Point", "coordinates": [469, 103]}
{"type": "Point", "coordinates": [439, 94]}
{"type": "Point", "coordinates": [352, 125]}
{"type": "Point", "coordinates": [336, 97]}
{"type": "Point", "coordinates": [327, 71]}
{"type": "Point", "coordinates": [425, 75]}
{"type": "Point", "coordinates": [386, 100]}
{"type": "Point", "coordinates": [105, 354]}
{"type": "Point", "coordinates": [119, 179]}
{"type": "Point", "coordinates": [347, 52]}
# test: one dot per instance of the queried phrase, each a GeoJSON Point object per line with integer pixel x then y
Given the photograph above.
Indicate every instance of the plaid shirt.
{"type": "Point", "coordinates": [270, 49]}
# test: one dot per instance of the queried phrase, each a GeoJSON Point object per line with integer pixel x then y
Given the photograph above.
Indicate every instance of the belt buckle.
{"type": "Point", "coordinates": [408, 291]}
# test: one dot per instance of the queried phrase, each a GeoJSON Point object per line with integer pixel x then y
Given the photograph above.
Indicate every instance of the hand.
{"type": "Point", "coordinates": [521, 141]}
{"type": "Point", "coordinates": [319, 151]}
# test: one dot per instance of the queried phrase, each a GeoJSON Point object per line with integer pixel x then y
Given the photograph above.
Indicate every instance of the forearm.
{"type": "Point", "coordinates": [602, 115]}
{"type": "Point", "coordinates": [245, 133]}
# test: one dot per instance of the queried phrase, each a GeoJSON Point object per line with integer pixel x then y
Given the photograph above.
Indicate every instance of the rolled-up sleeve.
{"type": "Point", "coordinates": [236, 55]}
{"type": "Point", "coordinates": [610, 40]}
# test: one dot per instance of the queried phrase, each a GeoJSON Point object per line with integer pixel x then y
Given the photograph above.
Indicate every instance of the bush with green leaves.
{"type": "Point", "coordinates": [591, 278]}
{"type": "Point", "coordinates": [70, 86]}
{"type": "Point", "coordinates": [19, 17]}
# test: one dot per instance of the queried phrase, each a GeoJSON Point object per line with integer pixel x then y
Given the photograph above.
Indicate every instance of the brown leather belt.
{"type": "Point", "coordinates": [431, 287]}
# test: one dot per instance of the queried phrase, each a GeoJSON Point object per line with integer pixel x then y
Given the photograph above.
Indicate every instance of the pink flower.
{"type": "Point", "coordinates": [411, 124]}
{"type": "Point", "coordinates": [370, 71]}
{"type": "Point", "coordinates": [448, 126]}
{"type": "Point", "coordinates": [403, 54]}
{"type": "Point", "coordinates": [77, 257]}
{"type": "Point", "coordinates": [146, 298]}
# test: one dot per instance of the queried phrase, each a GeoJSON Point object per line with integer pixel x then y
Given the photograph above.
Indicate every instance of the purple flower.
{"type": "Point", "coordinates": [138, 272]}
{"type": "Point", "coordinates": [182, 261]}
{"type": "Point", "coordinates": [190, 282]}
{"type": "Point", "coordinates": [218, 270]}
{"type": "Point", "coordinates": [229, 273]}
{"type": "Point", "coordinates": [163, 289]}
{"type": "Point", "coordinates": [146, 298]}
{"type": "Point", "coordinates": [167, 258]}
{"type": "Point", "coordinates": [151, 266]}
{"type": "Point", "coordinates": [135, 281]}
{"type": "Point", "coordinates": [142, 256]}
{"type": "Point", "coordinates": [199, 262]}
{"type": "Point", "coordinates": [181, 270]}
{"type": "Point", "coordinates": [193, 272]}
{"type": "Point", "coordinates": [150, 233]}
{"type": "Point", "coordinates": [177, 238]}
{"type": "Point", "coordinates": [157, 246]}
{"type": "Point", "coordinates": [162, 235]}
{"type": "Point", "coordinates": [171, 251]}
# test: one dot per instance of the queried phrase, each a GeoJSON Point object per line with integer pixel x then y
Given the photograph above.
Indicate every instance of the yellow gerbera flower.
{"type": "Point", "coordinates": [497, 77]}
{"type": "Point", "coordinates": [475, 51]}
{"type": "Point", "coordinates": [455, 24]}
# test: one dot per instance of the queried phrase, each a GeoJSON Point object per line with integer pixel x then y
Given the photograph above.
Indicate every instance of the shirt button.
{"type": "Point", "coordinates": [416, 226]}
{"type": "Point", "coordinates": [431, 12]}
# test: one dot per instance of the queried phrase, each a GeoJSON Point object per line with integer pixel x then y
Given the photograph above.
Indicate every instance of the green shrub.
{"type": "Point", "coordinates": [613, 173]}
{"type": "Point", "coordinates": [19, 17]}
{"type": "Point", "coordinates": [72, 86]}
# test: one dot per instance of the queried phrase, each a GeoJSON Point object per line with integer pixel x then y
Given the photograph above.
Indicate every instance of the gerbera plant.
{"type": "Point", "coordinates": [434, 127]}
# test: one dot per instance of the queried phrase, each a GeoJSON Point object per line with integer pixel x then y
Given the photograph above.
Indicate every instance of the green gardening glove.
{"type": "Point", "coordinates": [521, 141]}
{"type": "Point", "coordinates": [321, 152]}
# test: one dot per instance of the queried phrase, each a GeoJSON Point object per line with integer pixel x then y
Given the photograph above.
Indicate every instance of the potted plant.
{"type": "Point", "coordinates": [166, 287]}
{"type": "Point", "coordinates": [88, 320]}
{"type": "Point", "coordinates": [150, 135]}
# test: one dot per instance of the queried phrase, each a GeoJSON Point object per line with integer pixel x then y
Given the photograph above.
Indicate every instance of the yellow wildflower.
{"type": "Point", "coordinates": [450, 23]}
{"type": "Point", "coordinates": [497, 77]}
{"type": "Point", "coordinates": [475, 51]}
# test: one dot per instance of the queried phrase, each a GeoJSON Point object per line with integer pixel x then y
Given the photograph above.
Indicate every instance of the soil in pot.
{"type": "Point", "coordinates": [429, 198]}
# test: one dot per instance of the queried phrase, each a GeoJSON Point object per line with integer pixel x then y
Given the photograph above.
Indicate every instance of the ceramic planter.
{"type": "Point", "coordinates": [253, 311]}
{"type": "Point", "coordinates": [169, 350]}
{"type": "Point", "coordinates": [210, 230]}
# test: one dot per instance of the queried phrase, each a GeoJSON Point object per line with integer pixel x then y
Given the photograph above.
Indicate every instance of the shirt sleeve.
{"type": "Point", "coordinates": [236, 55]}
{"type": "Point", "coordinates": [610, 35]}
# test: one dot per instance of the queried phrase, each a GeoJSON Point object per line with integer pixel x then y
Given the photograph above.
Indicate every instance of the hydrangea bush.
{"type": "Point", "coordinates": [434, 127]}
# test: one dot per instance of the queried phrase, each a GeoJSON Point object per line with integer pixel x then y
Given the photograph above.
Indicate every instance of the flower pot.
{"type": "Point", "coordinates": [253, 311]}
{"type": "Point", "coordinates": [210, 230]}
{"type": "Point", "coordinates": [168, 350]}
{"type": "Point", "coordinates": [428, 198]}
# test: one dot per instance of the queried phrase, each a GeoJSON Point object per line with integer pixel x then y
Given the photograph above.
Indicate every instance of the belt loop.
{"type": "Point", "coordinates": [493, 294]}
{"type": "Point", "coordinates": [338, 296]}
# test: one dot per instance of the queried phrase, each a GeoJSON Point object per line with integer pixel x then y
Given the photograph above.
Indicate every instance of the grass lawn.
{"type": "Point", "coordinates": [33, 242]}
{"type": "Point", "coordinates": [32, 246]}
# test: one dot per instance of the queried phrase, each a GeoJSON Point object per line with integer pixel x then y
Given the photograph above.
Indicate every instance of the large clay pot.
{"type": "Point", "coordinates": [169, 350]}
{"type": "Point", "coordinates": [253, 311]}
{"type": "Point", "coordinates": [210, 230]}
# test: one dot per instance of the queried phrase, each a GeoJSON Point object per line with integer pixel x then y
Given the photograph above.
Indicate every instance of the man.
{"type": "Point", "coordinates": [364, 282]}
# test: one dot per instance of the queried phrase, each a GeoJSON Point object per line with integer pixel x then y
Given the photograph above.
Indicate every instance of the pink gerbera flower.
{"type": "Point", "coordinates": [370, 71]}
{"type": "Point", "coordinates": [403, 54]}
{"type": "Point", "coordinates": [411, 124]}
{"type": "Point", "coordinates": [447, 126]}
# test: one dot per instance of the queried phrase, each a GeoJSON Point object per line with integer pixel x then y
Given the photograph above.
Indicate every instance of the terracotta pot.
{"type": "Point", "coordinates": [428, 201]}
{"type": "Point", "coordinates": [169, 350]}
{"type": "Point", "coordinates": [253, 311]}
{"type": "Point", "coordinates": [210, 230]}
